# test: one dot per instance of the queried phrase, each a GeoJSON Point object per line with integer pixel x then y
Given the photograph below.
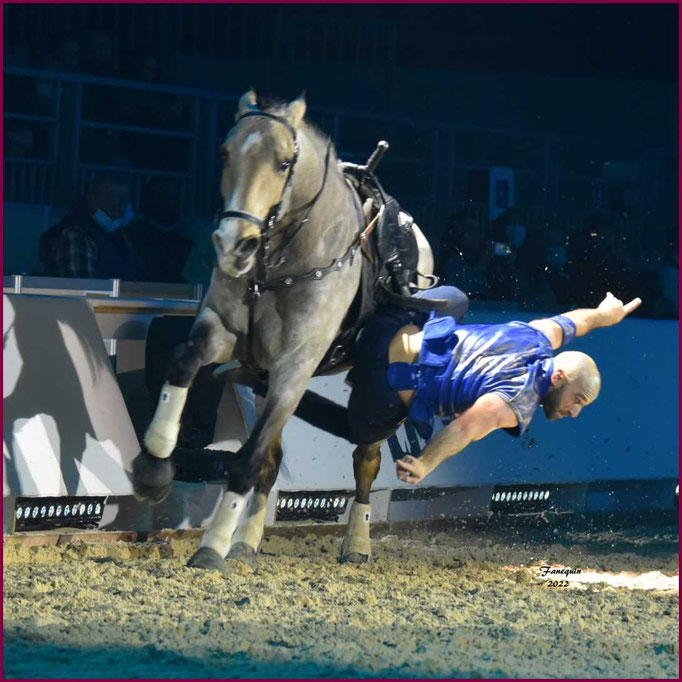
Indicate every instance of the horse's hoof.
{"type": "Point", "coordinates": [208, 559]}
{"type": "Point", "coordinates": [152, 477]}
{"type": "Point", "coordinates": [353, 558]}
{"type": "Point", "coordinates": [240, 551]}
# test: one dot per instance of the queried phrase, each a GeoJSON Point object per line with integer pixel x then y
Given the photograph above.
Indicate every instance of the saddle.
{"type": "Point", "coordinates": [390, 257]}
{"type": "Point", "coordinates": [389, 267]}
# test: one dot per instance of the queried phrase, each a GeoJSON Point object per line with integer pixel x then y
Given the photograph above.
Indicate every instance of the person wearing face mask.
{"type": "Point", "coordinates": [160, 249]}
{"type": "Point", "coordinates": [553, 263]}
{"type": "Point", "coordinates": [89, 242]}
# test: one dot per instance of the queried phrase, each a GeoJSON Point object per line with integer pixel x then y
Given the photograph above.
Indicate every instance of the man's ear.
{"type": "Point", "coordinates": [247, 102]}
{"type": "Point", "coordinates": [558, 378]}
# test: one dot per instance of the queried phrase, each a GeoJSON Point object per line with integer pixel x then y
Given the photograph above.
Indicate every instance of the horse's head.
{"type": "Point", "coordinates": [258, 155]}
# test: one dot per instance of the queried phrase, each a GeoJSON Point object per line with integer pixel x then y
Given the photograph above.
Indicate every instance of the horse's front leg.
{"type": "Point", "coordinates": [247, 538]}
{"type": "Point", "coordinates": [153, 468]}
{"type": "Point", "coordinates": [356, 548]}
{"type": "Point", "coordinates": [288, 381]}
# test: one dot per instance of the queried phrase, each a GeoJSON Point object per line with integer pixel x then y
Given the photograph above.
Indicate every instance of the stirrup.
{"type": "Point", "coordinates": [433, 282]}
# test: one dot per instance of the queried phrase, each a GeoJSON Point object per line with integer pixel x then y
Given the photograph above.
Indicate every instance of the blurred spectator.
{"type": "Point", "coordinates": [663, 267]}
{"type": "Point", "coordinates": [154, 236]}
{"type": "Point", "coordinates": [99, 56]}
{"type": "Point", "coordinates": [147, 108]}
{"type": "Point", "coordinates": [509, 228]}
{"type": "Point", "coordinates": [450, 241]}
{"type": "Point", "coordinates": [469, 256]}
{"type": "Point", "coordinates": [667, 304]}
{"type": "Point", "coordinates": [65, 56]}
{"type": "Point", "coordinates": [553, 261]}
{"type": "Point", "coordinates": [503, 274]}
{"type": "Point", "coordinates": [502, 271]}
{"type": "Point", "coordinates": [19, 141]}
{"type": "Point", "coordinates": [148, 69]}
{"type": "Point", "coordinates": [16, 52]}
{"type": "Point", "coordinates": [594, 267]}
{"type": "Point", "coordinates": [89, 242]}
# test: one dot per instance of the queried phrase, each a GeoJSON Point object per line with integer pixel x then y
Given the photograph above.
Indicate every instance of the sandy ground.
{"type": "Point", "coordinates": [456, 602]}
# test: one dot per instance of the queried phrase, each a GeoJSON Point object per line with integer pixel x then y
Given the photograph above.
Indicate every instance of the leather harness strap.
{"type": "Point", "coordinates": [364, 235]}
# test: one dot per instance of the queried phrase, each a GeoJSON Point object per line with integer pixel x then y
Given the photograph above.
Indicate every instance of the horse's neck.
{"type": "Point", "coordinates": [331, 222]}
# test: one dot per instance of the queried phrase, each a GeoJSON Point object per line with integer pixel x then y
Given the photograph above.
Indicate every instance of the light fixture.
{"type": "Point", "coordinates": [311, 505]}
{"type": "Point", "coordinates": [519, 499]}
{"type": "Point", "coordinates": [45, 513]}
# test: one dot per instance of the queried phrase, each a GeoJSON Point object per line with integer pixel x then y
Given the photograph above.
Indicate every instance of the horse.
{"type": "Point", "coordinates": [288, 248]}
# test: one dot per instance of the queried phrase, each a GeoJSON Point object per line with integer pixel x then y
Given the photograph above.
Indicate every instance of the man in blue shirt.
{"type": "Point", "coordinates": [487, 376]}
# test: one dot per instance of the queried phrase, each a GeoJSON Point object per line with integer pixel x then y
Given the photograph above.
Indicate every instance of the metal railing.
{"type": "Point", "coordinates": [238, 31]}
{"type": "Point", "coordinates": [419, 170]}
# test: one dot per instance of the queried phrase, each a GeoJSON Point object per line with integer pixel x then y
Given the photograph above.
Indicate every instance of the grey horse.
{"type": "Point", "coordinates": [289, 217]}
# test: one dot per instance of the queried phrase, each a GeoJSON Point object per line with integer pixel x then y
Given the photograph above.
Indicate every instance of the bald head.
{"type": "Point", "coordinates": [575, 383]}
{"type": "Point", "coordinates": [582, 369]}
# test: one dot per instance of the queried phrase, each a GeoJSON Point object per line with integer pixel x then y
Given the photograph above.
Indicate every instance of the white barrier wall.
{"type": "Point", "coordinates": [67, 430]}
{"type": "Point", "coordinates": [630, 432]}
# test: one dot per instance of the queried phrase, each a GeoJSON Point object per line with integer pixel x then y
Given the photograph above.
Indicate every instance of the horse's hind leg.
{"type": "Point", "coordinates": [356, 548]}
{"type": "Point", "coordinates": [208, 341]}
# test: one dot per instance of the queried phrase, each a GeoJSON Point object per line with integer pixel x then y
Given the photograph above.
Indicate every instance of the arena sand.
{"type": "Point", "coordinates": [459, 602]}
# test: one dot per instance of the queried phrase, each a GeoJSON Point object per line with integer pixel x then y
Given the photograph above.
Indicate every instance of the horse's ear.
{"type": "Point", "coordinates": [247, 102]}
{"type": "Point", "coordinates": [296, 110]}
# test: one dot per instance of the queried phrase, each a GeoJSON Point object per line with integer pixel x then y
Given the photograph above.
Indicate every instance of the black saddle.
{"type": "Point", "coordinates": [389, 272]}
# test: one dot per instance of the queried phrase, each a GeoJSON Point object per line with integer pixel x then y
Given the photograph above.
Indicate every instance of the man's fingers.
{"type": "Point", "coordinates": [406, 471]}
{"type": "Point", "coordinates": [633, 305]}
{"type": "Point", "coordinates": [405, 465]}
{"type": "Point", "coordinates": [406, 478]}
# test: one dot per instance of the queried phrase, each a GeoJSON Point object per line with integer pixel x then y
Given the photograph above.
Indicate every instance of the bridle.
{"type": "Point", "coordinates": [265, 225]}
{"type": "Point", "coordinates": [265, 259]}
{"type": "Point", "coordinates": [259, 281]}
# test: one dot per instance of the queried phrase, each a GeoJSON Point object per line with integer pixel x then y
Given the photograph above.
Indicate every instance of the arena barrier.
{"type": "Point", "coordinates": [75, 404]}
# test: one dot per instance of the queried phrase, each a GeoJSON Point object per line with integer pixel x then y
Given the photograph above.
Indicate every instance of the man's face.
{"type": "Point", "coordinates": [113, 199]}
{"type": "Point", "coordinates": [564, 400]}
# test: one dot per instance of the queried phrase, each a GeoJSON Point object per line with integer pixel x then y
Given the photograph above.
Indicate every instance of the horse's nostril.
{"type": "Point", "coordinates": [246, 247]}
{"type": "Point", "coordinates": [217, 241]}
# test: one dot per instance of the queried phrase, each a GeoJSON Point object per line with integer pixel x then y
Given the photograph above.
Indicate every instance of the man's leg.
{"type": "Point", "coordinates": [459, 301]}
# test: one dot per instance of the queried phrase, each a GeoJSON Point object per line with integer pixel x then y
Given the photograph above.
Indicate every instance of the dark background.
{"type": "Point", "coordinates": [579, 100]}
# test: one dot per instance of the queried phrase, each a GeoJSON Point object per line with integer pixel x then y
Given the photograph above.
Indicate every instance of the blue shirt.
{"type": "Point", "coordinates": [460, 363]}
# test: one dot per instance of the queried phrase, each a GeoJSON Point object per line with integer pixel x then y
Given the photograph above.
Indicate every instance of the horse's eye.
{"type": "Point", "coordinates": [224, 155]}
{"type": "Point", "coordinates": [285, 166]}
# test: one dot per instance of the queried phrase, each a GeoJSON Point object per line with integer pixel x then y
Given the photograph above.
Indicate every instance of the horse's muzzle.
{"type": "Point", "coordinates": [237, 258]}
{"type": "Point", "coordinates": [245, 248]}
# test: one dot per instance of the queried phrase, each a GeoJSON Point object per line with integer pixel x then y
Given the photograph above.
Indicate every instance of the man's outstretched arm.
{"type": "Point", "coordinates": [488, 413]}
{"type": "Point", "coordinates": [609, 312]}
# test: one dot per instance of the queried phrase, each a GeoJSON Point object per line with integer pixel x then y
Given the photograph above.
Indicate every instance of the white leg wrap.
{"type": "Point", "coordinates": [357, 531]}
{"type": "Point", "coordinates": [251, 527]}
{"type": "Point", "coordinates": [162, 433]}
{"type": "Point", "coordinates": [218, 535]}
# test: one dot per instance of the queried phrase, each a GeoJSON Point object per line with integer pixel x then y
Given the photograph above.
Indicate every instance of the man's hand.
{"type": "Point", "coordinates": [612, 311]}
{"type": "Point", "coordinates": [411, 469]}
